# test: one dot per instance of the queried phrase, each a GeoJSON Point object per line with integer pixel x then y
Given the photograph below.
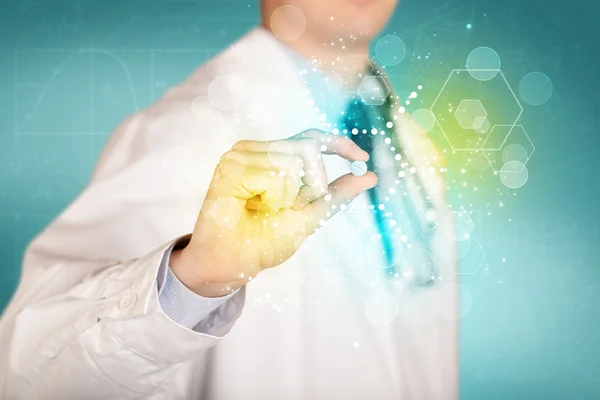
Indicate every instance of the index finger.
{"type": "Point", "coordinates": [334, 144]}
{"type": "Point", "coordinates": [328, 144]}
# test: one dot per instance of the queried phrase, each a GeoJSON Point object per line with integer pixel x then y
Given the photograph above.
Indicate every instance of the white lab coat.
{"type": "Point", "coordinates": [85, 322]}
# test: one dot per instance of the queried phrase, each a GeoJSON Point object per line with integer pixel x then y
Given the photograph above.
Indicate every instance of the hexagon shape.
{"type": "Point", "coordinates": [471, 262]}
{"type": "Point", "coordinates": [470, 113]}
{"type": "Point", "coordinates": [508, 143]}
{"type": "Point", "coordinates": [346, 69]}
{"type": "Point", "coordinates": [373, 90]}
{"type": "Point", "coordinates": [502, 107]}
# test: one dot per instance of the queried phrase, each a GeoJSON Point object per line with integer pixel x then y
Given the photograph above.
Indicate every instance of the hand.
{"type": "Point", "coordinates": [265, 198]}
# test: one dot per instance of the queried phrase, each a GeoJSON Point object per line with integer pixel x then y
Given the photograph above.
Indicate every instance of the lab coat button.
{"type": "Point", "coordinates": [127, 301]}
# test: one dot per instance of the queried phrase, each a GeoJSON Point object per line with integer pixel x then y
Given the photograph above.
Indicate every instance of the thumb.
{"type": "Point", "coordinates": [341, 191]}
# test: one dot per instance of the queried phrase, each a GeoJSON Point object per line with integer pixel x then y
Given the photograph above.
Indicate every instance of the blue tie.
{"type": "Point", "coordinates": [360, 117]}
{"type": "Point", "coordinates": [359, 120]}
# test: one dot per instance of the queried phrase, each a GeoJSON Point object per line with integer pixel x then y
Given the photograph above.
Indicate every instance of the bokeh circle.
{"type": "Point", "coordinates": [483, 63]}
{"type": "Point", "coordinates": [423, 120]}
{"type": "Point", "coordinates": [514, 174]}
{"type": "Point", "coordinates": [515, 152]}
{"type": "Point", "coordinates": [201, 107]}
{"type": "Point", "coordinates": [288, 23]}
{"type": "Point", "coordinates": [390, 50]}
{"type": "Point", "coordinates": [225, 92]}
{"type": "Point", "coordinates": [536, 88]}
{"type": "Point", "coordinates": [418, 266]}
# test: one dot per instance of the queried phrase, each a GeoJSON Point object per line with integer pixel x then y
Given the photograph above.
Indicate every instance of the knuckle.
{"type": "Point", "coordinates": [241, 144]}
{"type": "Point", "coordinates": [232, 156]}
{"type": "Point", "coordinates": [227, 155]}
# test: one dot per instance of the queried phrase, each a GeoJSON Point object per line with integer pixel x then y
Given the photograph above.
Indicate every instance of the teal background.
{"type": "Point", "coordinates": [70, 70]}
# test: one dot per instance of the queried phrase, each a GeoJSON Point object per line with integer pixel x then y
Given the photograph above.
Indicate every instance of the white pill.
{"type": "Point", "coordinates": [358, 168]}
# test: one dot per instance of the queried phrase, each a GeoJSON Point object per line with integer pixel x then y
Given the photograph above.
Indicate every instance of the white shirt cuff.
{"type": "Point", "coordinates": [179, 303]}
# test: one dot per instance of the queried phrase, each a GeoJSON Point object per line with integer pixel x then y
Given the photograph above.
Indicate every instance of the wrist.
{"type": "Point", "coordinates": [198, 274]}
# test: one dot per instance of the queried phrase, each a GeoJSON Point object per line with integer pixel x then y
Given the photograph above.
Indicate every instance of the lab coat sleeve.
{"type": "Point", "coordinates": [86, 320]}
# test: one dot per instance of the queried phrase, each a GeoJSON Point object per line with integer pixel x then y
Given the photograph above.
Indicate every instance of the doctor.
{"type": "Point", "coordinates": [224, 249]}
